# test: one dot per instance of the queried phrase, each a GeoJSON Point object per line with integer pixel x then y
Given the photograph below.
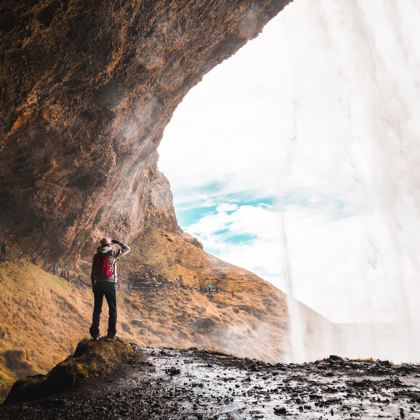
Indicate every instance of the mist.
{"type": "Point", "coordinates": [320, 114]}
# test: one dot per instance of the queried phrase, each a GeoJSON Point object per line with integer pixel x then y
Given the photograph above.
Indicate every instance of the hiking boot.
{"type": "Point", "coordinates": [97, 338]}
{"type": "Point", "coordinates": [108, 338]}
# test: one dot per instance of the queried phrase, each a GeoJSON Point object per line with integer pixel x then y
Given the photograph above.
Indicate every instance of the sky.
{"type": "Point", "coordinates": [308, 139]}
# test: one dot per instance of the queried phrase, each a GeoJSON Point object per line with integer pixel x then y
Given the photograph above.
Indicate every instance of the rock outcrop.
{"type": "Point", "coordinates": [87, 89]}
{"type": "Point", "coordinates": [91, 359]}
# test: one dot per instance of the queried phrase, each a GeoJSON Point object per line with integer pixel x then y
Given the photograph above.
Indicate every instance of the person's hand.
{"type": "Point", "coordinates": [114, 241]}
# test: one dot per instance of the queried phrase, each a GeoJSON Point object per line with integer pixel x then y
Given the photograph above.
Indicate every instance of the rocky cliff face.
{"type": "Point", "coordinates": [87, 89]}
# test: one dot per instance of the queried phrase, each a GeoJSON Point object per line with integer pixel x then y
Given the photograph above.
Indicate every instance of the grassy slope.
{"type": "Point", "coordinates": [44, 317]}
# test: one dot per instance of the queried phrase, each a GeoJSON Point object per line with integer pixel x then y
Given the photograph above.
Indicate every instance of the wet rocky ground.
{"type": "Point", "coordinates": [194, 384]}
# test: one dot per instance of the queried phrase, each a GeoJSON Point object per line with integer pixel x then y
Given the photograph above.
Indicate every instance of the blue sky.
{"type": "Point", "coordinates": [188, 213]}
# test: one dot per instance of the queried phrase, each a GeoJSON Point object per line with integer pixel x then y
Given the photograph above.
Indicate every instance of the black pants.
{"type": "Point", "coordinates": [100, 290]}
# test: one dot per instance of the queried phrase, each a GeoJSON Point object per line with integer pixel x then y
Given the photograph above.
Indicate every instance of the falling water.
{"type": "Point", "coordinates": [355, 76]}
{"type": "Point", "coordinates": [296, 325]}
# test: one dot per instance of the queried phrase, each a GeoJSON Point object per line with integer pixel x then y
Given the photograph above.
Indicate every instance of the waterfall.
{"type": "Point", "coordinates": [296, 325]}
{"type": "Point", "coordinates": [352, 91]}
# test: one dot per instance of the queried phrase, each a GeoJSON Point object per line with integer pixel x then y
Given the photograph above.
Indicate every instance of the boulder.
{"type": "Point", "coordinates": [91, 358]}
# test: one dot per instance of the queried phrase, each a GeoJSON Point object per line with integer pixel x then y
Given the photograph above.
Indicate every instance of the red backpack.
{"type": "Point", "coordinates": [101, 270]}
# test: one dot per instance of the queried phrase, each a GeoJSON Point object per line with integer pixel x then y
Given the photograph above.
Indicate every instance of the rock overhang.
{"type": "Point", "coordinates": [87, 90]}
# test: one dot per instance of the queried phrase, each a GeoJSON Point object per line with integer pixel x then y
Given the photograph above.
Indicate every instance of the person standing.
{"type": "Point", "coordinates": [104, 282]}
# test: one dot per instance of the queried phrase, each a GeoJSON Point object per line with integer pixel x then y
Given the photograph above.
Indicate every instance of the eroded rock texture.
{"type": "Point", "coordinates": [87, 88]}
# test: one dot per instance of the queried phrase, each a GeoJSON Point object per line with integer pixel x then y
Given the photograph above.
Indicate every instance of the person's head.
{"type": "Point", "coordinates": [105, 242]}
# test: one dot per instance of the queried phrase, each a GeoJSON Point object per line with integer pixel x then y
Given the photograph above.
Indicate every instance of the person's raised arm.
{"type": "Point", "coordinates": [125, 249]}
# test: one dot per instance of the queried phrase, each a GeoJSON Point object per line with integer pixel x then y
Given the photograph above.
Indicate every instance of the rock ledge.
{"type": "Point", "coordinates": [91, 358]}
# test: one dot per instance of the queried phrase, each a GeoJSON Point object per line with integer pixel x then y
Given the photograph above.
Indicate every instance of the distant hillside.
{"type": "Point", "coordinates": [249, 316]}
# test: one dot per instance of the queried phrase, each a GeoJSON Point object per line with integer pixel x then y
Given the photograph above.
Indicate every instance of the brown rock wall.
{"type": "Point", "coordinates": [87, 88]}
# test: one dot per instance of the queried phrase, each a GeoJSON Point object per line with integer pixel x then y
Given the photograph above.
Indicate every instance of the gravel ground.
{"type": "Point", "coordinates": [194, 384]}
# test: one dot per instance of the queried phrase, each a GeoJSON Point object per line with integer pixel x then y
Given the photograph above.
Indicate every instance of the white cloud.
{"type": "Point", "coordinates": [258, 252]}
